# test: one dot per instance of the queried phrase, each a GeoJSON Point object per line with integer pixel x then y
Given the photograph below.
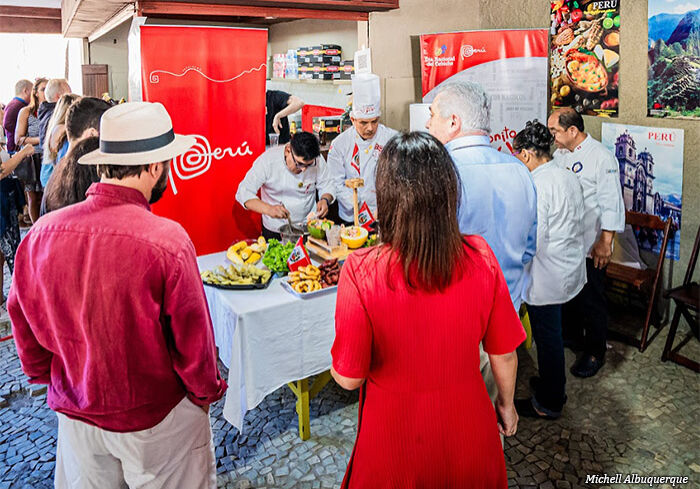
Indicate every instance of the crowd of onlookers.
{"type": "Point", "coordinates": [108, 307]}
{"type": "Point", "coordinates": [45, 129]}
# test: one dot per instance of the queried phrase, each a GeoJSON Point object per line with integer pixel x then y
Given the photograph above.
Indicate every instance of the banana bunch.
{"type": "Point", "coordinates": [236, 275]}
{"type": "Point", "coordinates": [305, 279]}
{"type": "Point", "coordinates": [243, 253]}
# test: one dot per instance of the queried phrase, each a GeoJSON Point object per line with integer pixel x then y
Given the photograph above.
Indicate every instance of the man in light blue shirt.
{"type": "Point", "coordinates": [498, 199]}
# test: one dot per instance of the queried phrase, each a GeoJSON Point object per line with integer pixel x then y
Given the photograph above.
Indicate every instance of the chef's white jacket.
{"type": "Point", "coordinates": [278, 185]}
{"type": "Point", "coordinates": [342, 166]}
{"type": "Point", "coordinates": [558, 269]}
{"type": "Point", "coordinates": [599, 173]}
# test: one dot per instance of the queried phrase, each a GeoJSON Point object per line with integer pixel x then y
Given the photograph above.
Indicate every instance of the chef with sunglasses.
{"type": "Point", "coordinates": [288, 178]}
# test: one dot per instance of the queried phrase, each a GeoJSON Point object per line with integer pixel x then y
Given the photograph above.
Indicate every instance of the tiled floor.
{"type": "Point", "coordinates": [637, 416]}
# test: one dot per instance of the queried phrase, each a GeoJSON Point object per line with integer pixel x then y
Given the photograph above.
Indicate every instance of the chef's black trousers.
{"type": "Point", "coordinates": [585, 317]}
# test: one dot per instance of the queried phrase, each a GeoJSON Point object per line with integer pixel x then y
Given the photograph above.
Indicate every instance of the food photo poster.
{"type": "Point", "coordinates": [585, 56]}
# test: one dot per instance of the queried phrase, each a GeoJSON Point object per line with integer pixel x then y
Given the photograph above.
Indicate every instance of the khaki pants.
{"type": "Point", "coordinates": [176, 453]}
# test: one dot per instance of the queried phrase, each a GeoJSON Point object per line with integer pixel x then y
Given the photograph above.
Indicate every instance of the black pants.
{"type": "Point", "coordinates": [585, 317]}
{"type": "Point", "coordinates": [546, 331]}
{"type": "Point", "coordinates": [267, 234]}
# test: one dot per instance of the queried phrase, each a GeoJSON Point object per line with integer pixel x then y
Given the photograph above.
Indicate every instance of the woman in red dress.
{"type": "Point", "coordinates": [410, 316]}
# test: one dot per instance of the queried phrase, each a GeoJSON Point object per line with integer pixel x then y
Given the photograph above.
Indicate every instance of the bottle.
{"type": "Point", "coordinates": [293, 127]}
{"type": "Point", "coordinates": [322, 132]}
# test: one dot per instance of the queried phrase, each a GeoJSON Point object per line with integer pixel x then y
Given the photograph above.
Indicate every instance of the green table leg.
{"type": "Point", "coordinates": [304, 394]}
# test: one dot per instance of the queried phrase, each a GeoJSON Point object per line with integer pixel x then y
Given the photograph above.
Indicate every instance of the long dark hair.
{"type": "Point", "coordinates": [34, 101]}
{"type": "Point", "coordinates": [417, 196]}
{"type": "Point", "coordinates": [71, 180]}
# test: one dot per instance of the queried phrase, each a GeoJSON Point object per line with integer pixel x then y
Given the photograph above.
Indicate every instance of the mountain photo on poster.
{"type": "Point", "coordinates": [650, 160]}
{"type": "Point", "coordinates": [674, 59]}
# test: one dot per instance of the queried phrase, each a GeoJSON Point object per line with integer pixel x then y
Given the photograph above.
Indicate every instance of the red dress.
{"type": "Point", "coordinates": [425, 418]}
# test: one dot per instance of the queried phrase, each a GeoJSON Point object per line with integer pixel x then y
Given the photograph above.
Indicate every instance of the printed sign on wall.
{"type": "Point", "coordinates": [510, 65]}
{"type": "Point", "coordinates": [673, 85]}
{"type": "Point", "coordinates": [585, 56]}
{"type": "Point", "coordinates": [651, 175]}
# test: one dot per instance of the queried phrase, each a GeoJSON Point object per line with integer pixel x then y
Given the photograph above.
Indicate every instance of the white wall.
{"type": "Point", "coordinates": [111, 50]}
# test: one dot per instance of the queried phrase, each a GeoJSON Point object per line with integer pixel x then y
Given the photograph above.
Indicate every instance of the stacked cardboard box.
{"type": "Point", "coordinates": [320, 62]}
{"type": "Point", "coordinates": [347, 69]}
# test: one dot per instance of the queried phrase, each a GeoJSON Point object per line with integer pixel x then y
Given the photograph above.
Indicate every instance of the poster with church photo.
{"type": "Point", "coordinates": [651, 176]}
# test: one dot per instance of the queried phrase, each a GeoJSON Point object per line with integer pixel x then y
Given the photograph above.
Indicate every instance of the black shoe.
{"type": "Point", "coordinates": [534, 384]}
{"type": "Point", "coordinates": [525, 409]}
{"type": "Point", "coordinates": [587, 366]}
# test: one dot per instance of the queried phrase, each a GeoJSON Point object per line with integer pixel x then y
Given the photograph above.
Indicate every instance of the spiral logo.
{"type": "Point", "coordinates": [197, 160]}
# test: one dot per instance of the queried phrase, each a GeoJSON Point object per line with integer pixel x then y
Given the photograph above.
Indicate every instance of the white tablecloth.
{"type": "Point", "coordinates": [267, 338]}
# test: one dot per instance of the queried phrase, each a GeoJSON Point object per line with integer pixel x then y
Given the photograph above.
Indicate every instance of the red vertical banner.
{"type": "Point", "coordinates": [212, 82]}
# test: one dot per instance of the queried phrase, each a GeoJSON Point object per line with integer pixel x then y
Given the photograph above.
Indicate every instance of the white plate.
{"type": "Point", "coordinates": [306, 295]}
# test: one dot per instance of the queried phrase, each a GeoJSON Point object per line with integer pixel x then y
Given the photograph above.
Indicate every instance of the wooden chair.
{"type": "Point", "coordinates": [644, 284]}
{"type": "Point", "coordinates": [687, 301]}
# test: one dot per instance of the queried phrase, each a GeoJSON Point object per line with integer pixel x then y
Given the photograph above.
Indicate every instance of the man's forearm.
{"type": "Point", "coordinates": [257, 205]}
{"type": "Point", "coordinates": [295, 103]}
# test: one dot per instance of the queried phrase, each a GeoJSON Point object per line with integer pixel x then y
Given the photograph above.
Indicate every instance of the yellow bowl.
{"type": "Point", "coordinates": [354, 241]}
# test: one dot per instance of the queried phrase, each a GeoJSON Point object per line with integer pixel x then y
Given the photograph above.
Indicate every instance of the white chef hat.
{"type": "Point", "coordinates": [366, 96]}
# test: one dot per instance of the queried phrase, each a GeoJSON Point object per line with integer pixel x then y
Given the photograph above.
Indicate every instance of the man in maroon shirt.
{"type": "Point", "coordinates": [108, 309]}
{"type": "Point", "coordinates": [23, 92]}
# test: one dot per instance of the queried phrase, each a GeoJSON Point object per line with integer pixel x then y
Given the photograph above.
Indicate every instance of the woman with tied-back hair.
{"type": "Point", "coordinates": [71, 180]}
{"type": "Point", "coordinates": [558, 269]}
{"type": "Point", "coordinates": [56, 142]}
{"type": "Point", "coordinates": [411, 313]}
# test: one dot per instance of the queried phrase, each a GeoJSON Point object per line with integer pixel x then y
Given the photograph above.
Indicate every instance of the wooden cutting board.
{"type": "Point", "coordinates": [321, 249]}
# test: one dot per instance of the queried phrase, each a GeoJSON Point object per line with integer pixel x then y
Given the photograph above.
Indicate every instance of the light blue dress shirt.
{"type": "Point", "coordinates": [498, 201]}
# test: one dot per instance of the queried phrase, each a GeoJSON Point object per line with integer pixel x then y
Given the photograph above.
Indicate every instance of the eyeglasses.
{"type": "Point", "coordinates": [300, 163]}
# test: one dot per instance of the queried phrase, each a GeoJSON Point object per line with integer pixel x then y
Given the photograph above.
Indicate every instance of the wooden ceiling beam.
{"type": "Point", "coordinates": [30, 20]}
{"type": "Point", "coordinates": [30, 12]}
{"type": "Point", "coordinates": [26, 25]}
{"type": "Point", "coordinates": [200, 10]}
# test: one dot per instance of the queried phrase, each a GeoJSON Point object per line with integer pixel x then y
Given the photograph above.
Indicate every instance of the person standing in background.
{"type": "Point", "coordinates": [558, 270]}
{"type": "Point", "coordinates": [585, 317]}
{"type": "Point", "coordinates": [55, 89]}
{"type": "Point", "coordinates": [128, 349]}
{"type": "Point", "coordinates": [278, 106]}
{"type": "Point", "coordinates": [27, 132]}
{"type": "Point", "coordinates": [409, 322]}
{"type": "Point", "coordinates": [56, 142]}
{"type": "Point", "coordinates": [355, 152]}
{"type": "Point", "coordinates": [11, 204]}
{"type": "Point", "coordinates": [498, 200]}
{"type": "Point", "coordinates": [23, 93]}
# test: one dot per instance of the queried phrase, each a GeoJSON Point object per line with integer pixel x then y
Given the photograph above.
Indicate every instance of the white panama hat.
{"type": "Point", "coordinates": [137, 133]}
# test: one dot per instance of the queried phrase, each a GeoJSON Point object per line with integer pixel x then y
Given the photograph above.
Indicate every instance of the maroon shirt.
{"type": "Point", "coordinates": [9, 122]}
{"type": "Point", "coordinates": [108, 308]}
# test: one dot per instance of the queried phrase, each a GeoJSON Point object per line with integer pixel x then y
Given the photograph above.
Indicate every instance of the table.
{"type": "Point", "coordinates": [268, 338]}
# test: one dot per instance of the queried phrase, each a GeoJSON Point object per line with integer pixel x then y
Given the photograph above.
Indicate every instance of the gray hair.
{"type": "Point", "coordinates": [55, 88]}
{"type": "Point", "coordinates": [23, 85]}
{"type": "Point", "coordinates": [468, 101]}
